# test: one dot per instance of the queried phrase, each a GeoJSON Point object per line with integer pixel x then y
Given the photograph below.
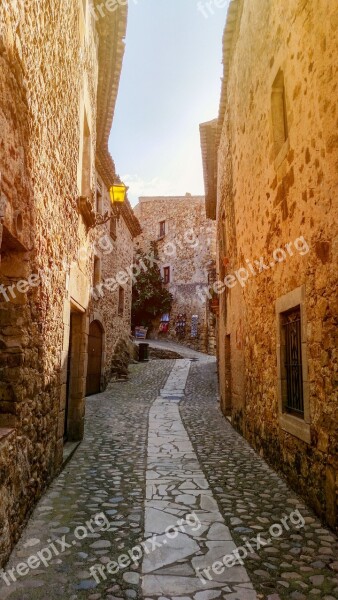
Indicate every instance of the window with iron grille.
{"type": "Point", "coordinates": [292, 343]}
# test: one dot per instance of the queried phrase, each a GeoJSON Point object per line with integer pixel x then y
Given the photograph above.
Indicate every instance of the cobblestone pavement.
{"type": "Point", "coordinates": [301, 564]}
{"type": "Point", "coordinates": [177, 490]}
{"type": "Point", "coordinates": [107, 473]}
{"type": "Point", "coordinates": [151, 457]}
{"type": "Point", "coordinates": [184, 351]}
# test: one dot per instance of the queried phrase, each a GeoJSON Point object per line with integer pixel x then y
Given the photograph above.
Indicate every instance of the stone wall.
{"type": "Point", "coordinates": [272, 191]}
{"type": "Point", "coordinates": [187, 248]}
{"type": "Point", "coordinates": [39, 186]}
{"type": "Point", "coordinates": [51, 89]}
{"type": "Point", "coordinates": [114, 247]}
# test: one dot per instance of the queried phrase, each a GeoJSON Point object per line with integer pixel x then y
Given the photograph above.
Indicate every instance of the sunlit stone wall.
{"type": "Point", "coordinates": [274, 187]}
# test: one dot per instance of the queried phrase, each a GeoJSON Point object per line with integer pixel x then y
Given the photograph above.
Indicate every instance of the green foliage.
{"type": "Point", "coordinates": [150, 297]}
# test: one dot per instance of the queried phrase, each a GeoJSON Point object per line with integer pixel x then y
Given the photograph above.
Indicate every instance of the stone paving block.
{"type": "Point", "coordinates": [200, 553]}
{"type": "Point", "coordinates": [172, 551]}
{"type": "Point", "coordinates": [241, 496]}
{"type": "Point", "coordinates": [158, 585]}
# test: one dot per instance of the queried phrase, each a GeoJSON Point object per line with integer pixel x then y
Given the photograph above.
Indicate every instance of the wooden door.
{"type": "Point", "coordinates": [94, 359]}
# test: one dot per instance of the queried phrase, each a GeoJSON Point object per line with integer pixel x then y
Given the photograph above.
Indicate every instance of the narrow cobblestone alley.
{"type": "Point", "coordinates": [168, 300]}
{"type": "Point", "coordinates": [158, 455]}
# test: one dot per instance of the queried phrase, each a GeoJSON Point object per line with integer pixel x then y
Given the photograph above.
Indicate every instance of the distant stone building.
{"type": "Point", "coordinates": [186, 246]}
{"type": "Point", "coordinates": [59, 75]}
{"type": "Point", "coordinates": [273, 189]}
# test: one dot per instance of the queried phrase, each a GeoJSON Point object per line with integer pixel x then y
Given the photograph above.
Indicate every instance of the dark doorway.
{"type": "Point", "coordinates": [95, 345]}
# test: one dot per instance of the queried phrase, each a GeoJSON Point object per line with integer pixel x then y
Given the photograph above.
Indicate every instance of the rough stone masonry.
{"type": "Point", "coordinates": [185, 240]}
{"type": "Point", "coordinates": [273, 153]}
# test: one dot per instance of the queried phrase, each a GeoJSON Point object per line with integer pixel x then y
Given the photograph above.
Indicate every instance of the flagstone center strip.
{"type": "Point", "coordinates": [178, 495]}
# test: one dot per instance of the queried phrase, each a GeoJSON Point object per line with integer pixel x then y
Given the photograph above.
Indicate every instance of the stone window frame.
{"type": "Point", "coordinates": [296, 426]}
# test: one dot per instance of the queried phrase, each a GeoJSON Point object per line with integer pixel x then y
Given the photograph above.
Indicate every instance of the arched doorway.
{"type": "Point", "coordinates": [95, 347]}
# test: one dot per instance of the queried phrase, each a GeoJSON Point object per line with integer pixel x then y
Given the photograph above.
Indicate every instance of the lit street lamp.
{"type": "Point", "coordinates": [118, 193]}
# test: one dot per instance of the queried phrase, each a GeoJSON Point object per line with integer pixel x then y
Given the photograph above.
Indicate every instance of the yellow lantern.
{"type": "Point", "coordinates": [118, 193]}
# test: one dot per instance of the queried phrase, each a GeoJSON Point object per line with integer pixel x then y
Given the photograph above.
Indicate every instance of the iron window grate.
{"type": "Point", "coordinates": [291, 323]}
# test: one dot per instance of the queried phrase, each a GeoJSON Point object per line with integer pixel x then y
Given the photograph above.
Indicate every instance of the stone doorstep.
{"type": "Point", "coordinates": [5, 432]}
{"type": "Point", "coordinates": [68, 450]}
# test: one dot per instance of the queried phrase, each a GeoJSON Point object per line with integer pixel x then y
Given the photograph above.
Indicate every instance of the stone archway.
{"type": "Point", "coordinates": [95, 358]}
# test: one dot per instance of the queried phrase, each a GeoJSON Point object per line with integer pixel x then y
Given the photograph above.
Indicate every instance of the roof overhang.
{"type": "Point", "coordinates": [209, 146]}
{"type": "Point", "coordinates": [111, 31]}
{"type": "Point", "coordinates": [229, 37]}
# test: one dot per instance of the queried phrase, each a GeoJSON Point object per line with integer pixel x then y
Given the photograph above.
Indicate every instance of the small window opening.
{"type": "Point", "coordinates": [121, 301]}
{"type": "Point", "coordinates": [166, 275]}
{"type": "Point", "coordinates": [97, 271]}
{"type": "Point", "coordinates": [113, 228]}
{"type": "Point", "coordinates": [279, 115]}
{"type": "Point", "coordinates": [162, 229]}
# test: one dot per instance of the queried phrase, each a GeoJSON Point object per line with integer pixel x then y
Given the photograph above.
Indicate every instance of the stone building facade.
{"type": "Point", "coordinates": [185, 241]}
{"type": "Point", "coordinates": [59, 75]}
{"type": "Point", "coordinates": [273, 155]}
{"type": "Point", "coordinates": [111, 285]}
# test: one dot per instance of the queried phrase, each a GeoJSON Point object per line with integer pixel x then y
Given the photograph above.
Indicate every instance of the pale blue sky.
{"type": "Point", "coordinates": [170, 83]}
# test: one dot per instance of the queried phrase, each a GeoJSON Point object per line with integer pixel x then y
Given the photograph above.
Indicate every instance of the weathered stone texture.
{"type": "Point", "coordinates": [116, 255]}
{"type": "Point", "coordinates": [39, 189]}
{"type": "Point", "coordinates": [188, 248]}
{"type": "Point", "coordinates": [266, 201]}
{"type": "Point", "coordinates": [57, 72]}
